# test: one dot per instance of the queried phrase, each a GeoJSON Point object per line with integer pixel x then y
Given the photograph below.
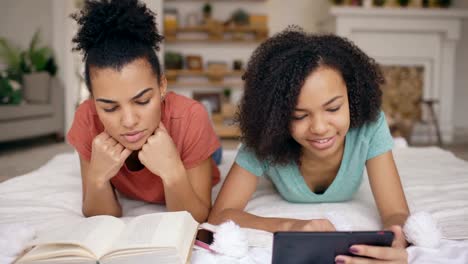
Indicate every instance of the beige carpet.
{"type": "Point", "coordinates": [20, 157]}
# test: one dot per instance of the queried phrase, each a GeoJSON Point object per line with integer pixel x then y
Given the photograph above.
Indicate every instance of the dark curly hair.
{"type": "Point", "coordinates": [113, 33]}
{"type": "Point", "coordinates": [275, 74]}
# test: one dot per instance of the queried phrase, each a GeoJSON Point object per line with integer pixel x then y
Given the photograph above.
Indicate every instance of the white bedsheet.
{"type": "Point", "coordinates": [435, 181]}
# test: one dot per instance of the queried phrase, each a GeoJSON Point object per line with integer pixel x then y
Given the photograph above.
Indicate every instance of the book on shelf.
{"type": "Point", "coordinates": [152, 238]}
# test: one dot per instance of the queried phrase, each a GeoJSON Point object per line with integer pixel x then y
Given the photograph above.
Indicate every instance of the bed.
{"type": "Point", "coordinates": [435, 181]}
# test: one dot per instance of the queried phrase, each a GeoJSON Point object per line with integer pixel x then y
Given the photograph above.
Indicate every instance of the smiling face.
{"type": "Point", "coordinates": [128, 102]}
{"type": "Point", "coordinates": [321, 118]}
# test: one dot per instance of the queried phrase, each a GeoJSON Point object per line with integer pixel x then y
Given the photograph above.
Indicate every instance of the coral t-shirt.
{"type": "Point", "coordinates": [187, 123]}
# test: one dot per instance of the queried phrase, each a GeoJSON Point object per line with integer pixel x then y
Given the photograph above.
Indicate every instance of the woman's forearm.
{"type": "Point", "coordinates": [180, 196]}
{"type": "Point", "coordinates": [100, 199]}
{"type": "Point", "coordinates": [248, 220]}
{"type": "Point", "coordinates": [395, 219]}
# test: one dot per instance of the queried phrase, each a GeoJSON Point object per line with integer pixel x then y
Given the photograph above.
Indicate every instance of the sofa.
{"type": "Point", "coordinates": [28, 120]}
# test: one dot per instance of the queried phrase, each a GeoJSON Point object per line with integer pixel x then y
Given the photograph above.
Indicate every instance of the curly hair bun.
{"type": "Point", "coordinates": [105, 21]}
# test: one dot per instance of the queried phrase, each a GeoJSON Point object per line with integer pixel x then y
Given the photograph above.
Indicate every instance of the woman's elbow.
{"type": "Point", "coordinates": [89, 213]}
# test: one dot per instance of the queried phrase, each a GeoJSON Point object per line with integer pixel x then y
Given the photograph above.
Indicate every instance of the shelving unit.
{"type": "Point", "coordinates": [215, 41]}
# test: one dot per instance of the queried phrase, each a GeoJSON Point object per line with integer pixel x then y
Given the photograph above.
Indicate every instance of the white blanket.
{"type": "Point", "coordinates": [435, 181]}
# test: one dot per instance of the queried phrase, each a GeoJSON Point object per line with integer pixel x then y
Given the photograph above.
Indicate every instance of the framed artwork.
{"type": "Point", "coordinates": [211, 101]}
{"type": "Point", "coordinates": [194, 62]}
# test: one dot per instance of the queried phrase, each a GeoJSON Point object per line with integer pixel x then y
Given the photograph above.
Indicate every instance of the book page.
{"type": "Point", "coordinates": [44, 252]}
{"type": "Point", "coordinates": [190, 229]}
{"type": "Point", "coordinates": [163, 256]}
{"type": "Point", "coordinates": [96, 234]}
{"type": "Point", "coordinates": [170, 229]}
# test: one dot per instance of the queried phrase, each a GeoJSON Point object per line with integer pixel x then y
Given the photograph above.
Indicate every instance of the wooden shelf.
{"type": "Point", "coordinates": [196, 73]}
{"type": "Point", "coordinates": [192, 29]}
{"type": "Point", "coordinates": [214, 40]}
{"type": "Point", "coordinates": [225, 131]}
{"type": "Point", "coordinates": [205, 84]}
{"type": "Point", "coordinates": [217, 33]}
{"type": "Point", "coordinates": [226, 29]}
{"type": "Point", "coordinates": [244, 29]}
{"type": "Point", "coordinates": [209, 80]}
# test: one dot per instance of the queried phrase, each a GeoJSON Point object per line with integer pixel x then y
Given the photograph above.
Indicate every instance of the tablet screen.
{"type": "Point", "coordinates": [322, 247]}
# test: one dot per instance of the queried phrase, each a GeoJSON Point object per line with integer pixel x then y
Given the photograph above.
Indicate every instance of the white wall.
{"type": "Point", "coordinates": [461, 80]}
{"type": "Point", "coordinates": [304, 13]}
{"type": "Point", "coordinates": [19, 19]}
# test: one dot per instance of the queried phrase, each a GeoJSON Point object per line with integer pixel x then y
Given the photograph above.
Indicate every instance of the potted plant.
{"type": "Point", "coordinates": [403, 3]}
{"type": "Point", "coordinates": [207, 9]}
{"type": "Point", "coordinates": [39, 66]}
{"type": "Point", "coordinates": [173, 60]}
{"type": "Point", "coordinates": [10, 92]}
{"type": "Point", "coordinates": [227, 94]}
{"type": "Point", "coordinates": [240, 17]}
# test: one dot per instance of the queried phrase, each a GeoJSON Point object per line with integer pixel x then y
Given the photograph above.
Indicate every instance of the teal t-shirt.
{"type": "Point", "coordinates": [361, 144]}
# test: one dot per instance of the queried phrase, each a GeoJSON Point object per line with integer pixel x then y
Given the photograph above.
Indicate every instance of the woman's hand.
{"type": "Point", "coordinates": [107, 157]}
{"type": "Point", "coordinates": [160, 155]}
{"type": "Point", "coordinates": [373, 254]}
{"type": "Point", "coordinates": [317, 225]}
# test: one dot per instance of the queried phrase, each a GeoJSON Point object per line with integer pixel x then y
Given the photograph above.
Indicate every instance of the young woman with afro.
{"type": "Point", "coordinates": [311, 121]}
{"type": "Point", "coordinates": [132, 135]}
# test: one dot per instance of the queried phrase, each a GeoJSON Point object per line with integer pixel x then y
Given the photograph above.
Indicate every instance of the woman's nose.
{"type": "Point", "coordinates": [318, 126]}
{"type": "Point", "coordinates": [129, 118]}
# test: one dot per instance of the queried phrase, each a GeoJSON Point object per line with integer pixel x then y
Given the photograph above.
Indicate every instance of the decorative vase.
{"type": "Point", "coordinates": [36, 87]}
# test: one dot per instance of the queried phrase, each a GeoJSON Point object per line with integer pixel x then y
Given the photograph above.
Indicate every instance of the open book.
{"type": "Point", "coordinates": [152, 238]}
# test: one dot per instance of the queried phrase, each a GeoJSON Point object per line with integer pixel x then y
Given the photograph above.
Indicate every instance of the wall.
{"type": "Point", "coordinates": [304, 13]}
{"type": "Point", "coordinates": [461, 81]}
{"type": "Point", "coordinates": [19, 19]}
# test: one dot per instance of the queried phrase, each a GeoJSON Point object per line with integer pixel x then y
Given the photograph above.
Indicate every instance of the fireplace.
{"type": "Point", "coordinates": [422, 41]}
{"type": "Point", "coordinates": [402, 98]}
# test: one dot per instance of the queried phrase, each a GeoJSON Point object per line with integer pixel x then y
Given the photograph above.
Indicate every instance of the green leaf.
{"type": "Point", "coordinates": [39, 58]}
{"type": "Point", "coordinates": [34, 41]}
{"type": "Point", "coordinates": [10, 55]}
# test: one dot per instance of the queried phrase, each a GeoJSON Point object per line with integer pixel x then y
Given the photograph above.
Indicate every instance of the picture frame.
{"type": "Point", "coordinates": [211, 100]}
{"type": "Point", "coordinates": [194, 62]}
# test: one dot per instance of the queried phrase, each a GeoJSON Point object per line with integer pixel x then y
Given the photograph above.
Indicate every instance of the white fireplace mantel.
{"type": "Point", "coordinates": [409, 37]}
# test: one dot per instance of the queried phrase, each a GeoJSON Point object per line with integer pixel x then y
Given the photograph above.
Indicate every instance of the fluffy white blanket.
{"type": "Point", "coordinates": [434, 180]}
